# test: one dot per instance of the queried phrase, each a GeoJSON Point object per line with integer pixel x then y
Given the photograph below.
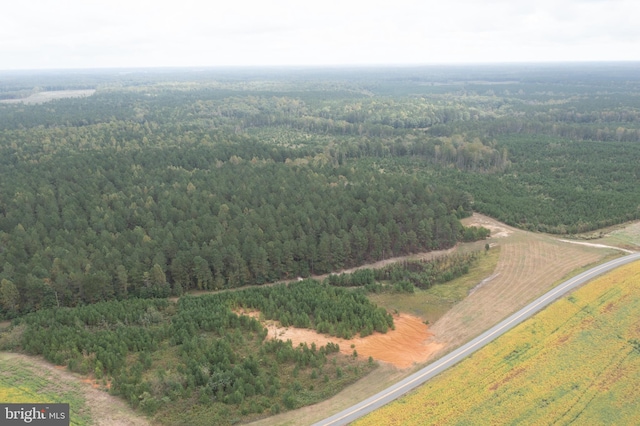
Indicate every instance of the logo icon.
{"type": "Point", "coordinates": [34, 414]}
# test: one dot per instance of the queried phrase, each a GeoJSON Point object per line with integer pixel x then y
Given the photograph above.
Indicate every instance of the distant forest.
{"type": "Point", "coordinates": [166, 181]}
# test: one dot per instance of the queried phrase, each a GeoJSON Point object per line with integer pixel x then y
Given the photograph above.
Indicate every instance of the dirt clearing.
{"type": "Point", "coordinates": [403, 347]}
{"type": "Point", "coordinates": [498, 230]}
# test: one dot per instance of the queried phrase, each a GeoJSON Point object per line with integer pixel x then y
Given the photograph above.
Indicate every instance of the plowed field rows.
{"type": "Point", "coordinates": [529, 265]}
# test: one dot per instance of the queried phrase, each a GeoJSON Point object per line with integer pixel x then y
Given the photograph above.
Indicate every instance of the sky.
{"type": "Point", "coordinates": [72, 34]}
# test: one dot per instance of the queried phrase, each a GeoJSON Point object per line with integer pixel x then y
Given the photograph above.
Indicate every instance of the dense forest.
{"type": "Point", "coordinates": [166, 181]}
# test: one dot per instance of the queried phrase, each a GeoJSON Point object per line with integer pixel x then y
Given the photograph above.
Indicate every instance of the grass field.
{"type": "Point", "coordinates": [578, 362]}
{"type": "Point", "coordinates": [627, 236]}
{"type": "Point", "coordinates": [433, 303]}
{"type": "Point", "coordinates": [30, 379]}
{"type": "Point", "coordinates": [21, 382]}
{"type": "Point", "coordinates": [529, 265]}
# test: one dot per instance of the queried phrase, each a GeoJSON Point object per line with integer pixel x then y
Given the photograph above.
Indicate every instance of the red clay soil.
{"type": "Point", "coordinates": [403, 347]}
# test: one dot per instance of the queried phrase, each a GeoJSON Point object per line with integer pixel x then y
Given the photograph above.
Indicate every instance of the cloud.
{"type": "Point", "coordinates": [90, 33]}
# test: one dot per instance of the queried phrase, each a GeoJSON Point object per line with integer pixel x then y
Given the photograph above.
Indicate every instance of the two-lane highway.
{"type": "Point", "coordinates": [431, 370]}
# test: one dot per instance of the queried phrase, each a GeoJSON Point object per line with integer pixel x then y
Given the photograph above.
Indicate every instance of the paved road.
{"type": "Point", "coordinates": [435, 368]}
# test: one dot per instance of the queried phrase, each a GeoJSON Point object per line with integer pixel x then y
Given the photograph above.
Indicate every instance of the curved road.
{"type": "Point", "coordinates": [433, 369]}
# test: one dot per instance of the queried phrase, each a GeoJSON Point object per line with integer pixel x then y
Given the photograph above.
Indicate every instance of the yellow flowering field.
{"type": "Point", "coordinates": [578, 361]}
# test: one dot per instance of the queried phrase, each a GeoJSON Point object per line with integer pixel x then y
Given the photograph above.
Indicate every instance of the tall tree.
{"type": "Point", "coordinates": [9, 295]}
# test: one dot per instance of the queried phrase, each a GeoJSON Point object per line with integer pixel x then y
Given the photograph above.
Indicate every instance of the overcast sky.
{"type": "Point", "coordinates": [44, 34]}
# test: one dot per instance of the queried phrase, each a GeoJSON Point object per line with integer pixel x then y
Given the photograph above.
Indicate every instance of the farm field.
{"type": "Point", "coordinates": [529, 265]}
{"type": "Point", "coordinates": [30, 379]}
{"type": "Point", "coordinates": [576, 361]}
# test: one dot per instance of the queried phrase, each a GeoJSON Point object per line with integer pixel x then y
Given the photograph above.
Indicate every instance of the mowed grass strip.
{"type": "Point", "coordinates": [576, 361]}
{"type": "Point", "coordinates": [528, 264]}
{"type": "Point", "coordinates": [433, 303]}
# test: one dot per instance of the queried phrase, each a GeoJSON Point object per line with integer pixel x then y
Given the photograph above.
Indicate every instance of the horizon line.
{"type": "Point", "coordinates": [324, 66]}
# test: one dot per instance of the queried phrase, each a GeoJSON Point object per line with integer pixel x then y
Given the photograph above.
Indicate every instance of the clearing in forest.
{"type": "Point", "coordinates": [407, 344]}
{"type": "Point", "coordinates": [42, 97]}
{"type": "Point", "coordinates": [626, 236]}
{"type": "Point", "coordinates": [576, 361]}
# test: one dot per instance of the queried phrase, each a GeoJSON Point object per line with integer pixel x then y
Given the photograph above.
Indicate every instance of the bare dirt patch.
{"type": "Point", "coordinates": [515, 373]}
{"type": "Point", "coordinates": [562, 339]}
{"type": "Point", "coordinates": [608, 309]}
{"type": "Point", "coordinates": [403, 347]}
{"type": "Point", "coordinates": [498, 229]}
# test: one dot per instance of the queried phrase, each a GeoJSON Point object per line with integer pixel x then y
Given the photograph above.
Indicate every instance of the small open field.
{"type": "Point", "coordinates": [431, 304]}
{"type": "Point", "coordinates": [627, 236]}
{"type": "Point", "coordinates": [42, 97]}
{"type": "Point", "coordinates": [30, 379]}
{"type": "Point", "coordinates": [578, 362]}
